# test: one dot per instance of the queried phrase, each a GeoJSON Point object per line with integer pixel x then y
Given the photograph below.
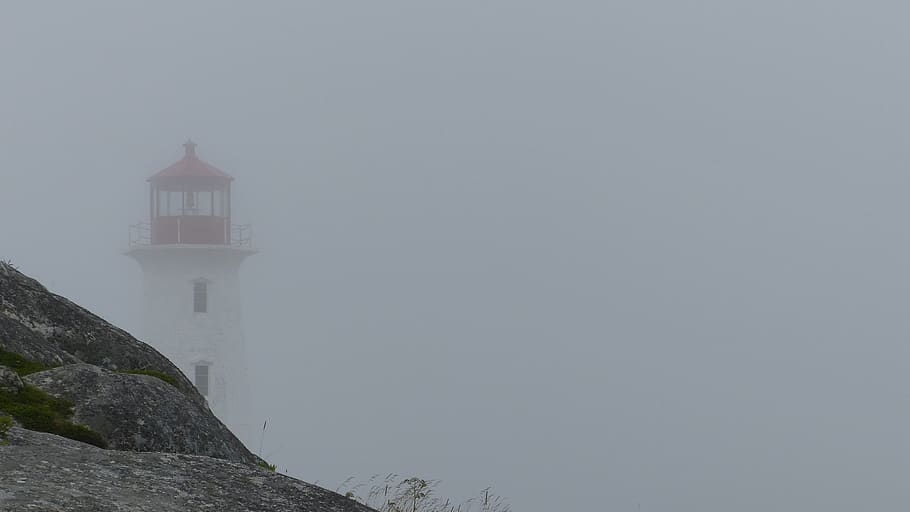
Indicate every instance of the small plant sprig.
{"type": "Point", "coordinates": [262, 462]}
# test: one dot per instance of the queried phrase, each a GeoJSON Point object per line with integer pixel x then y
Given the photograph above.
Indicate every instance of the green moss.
{"type": "Point", "coordinates": [154, 373]}
{"type": "Point", "coordinates": [19, 364]}
{"type": "Point", "coordinates": [36, 410]}
{"type": "Point", "coordinates": [6, 423]}
{"type": "Point", "coordinates": [265, 465]}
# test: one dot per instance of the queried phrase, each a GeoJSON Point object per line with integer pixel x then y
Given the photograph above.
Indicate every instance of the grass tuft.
{"type": "Point", "coordinates": [395, 494]}
{"type": "Point", "coordinates": [265, 465]}
{"type": "Point", "coordinates": [6, 423]}
{"type": "Point", "coordinates": [39, 411]}
{"type": "Point", "coordinates": [19, 364]}
{"type": "Point", "coordinates": [170, 379]}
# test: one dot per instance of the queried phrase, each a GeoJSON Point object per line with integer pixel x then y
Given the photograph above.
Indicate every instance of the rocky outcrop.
{"type": "Point", "coordinates": [52, 330]}
{"type": "Point", "coordinates": [168, 452]}
{"type": "Point", "coordinates": [140, 413]}
{"type": "Point", "coordinates": [132, 412]}
{"type": "Point", "coordinates": [48, 473]}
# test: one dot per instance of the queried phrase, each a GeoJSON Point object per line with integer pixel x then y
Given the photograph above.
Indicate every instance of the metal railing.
{"type": "Point", "coordinates": [140, 234]}
{"type": "Point", "coordinates": [240, 235]}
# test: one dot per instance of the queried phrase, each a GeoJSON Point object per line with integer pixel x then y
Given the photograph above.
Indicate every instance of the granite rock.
{"type": "Point", "coordinates": [140, 412]}
{"type": "Point", "coordinates": [49, 473]}
{"type": "Point", "coordinates": [52, 330]}
{"type": "Point", "coordinates": [168, 452]}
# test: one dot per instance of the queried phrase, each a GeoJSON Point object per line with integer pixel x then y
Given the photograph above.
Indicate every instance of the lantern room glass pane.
{"type": "Point", "coordinates": [218, 205]}
{"type": "Point", "coordinates": [203, 203]}
{"type": "Point", "coordinates": [190, 203]}
{"type": "Point", "coordinates": [174, 203]}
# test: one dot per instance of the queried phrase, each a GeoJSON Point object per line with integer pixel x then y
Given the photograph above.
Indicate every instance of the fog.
{"type": "Point", "coordinates": [593, 254]}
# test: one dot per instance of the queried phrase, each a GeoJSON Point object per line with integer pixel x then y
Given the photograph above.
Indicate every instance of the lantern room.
{"type": "Point", "coordinates": [190, 203]}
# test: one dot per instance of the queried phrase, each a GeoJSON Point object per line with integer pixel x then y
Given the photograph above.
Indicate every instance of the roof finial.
{"type": "Point", "coordinates": [190, 147]}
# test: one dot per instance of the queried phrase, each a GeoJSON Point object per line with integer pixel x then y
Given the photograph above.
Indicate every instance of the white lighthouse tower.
{"type": "Point", "coordinates": [190, 254]}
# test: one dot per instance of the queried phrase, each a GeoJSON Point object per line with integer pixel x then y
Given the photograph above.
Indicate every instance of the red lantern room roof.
{"type": "Point", "coordinates": [190, 166]}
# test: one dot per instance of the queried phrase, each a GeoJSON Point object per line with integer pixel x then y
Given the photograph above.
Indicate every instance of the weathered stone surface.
{"type": "Point", "coordinates": [133, 412]}
{"type": "Point", "coordinates": [9, 380]}
{"type": "Point", "coordinates": [48, 473]}
{"type": "Point", "coordinates": [140, 413]}
{"type": "Point", "coordinates": [52, 330]}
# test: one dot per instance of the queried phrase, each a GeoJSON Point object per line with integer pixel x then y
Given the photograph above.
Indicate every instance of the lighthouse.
{"type": "Point", "coordinates": [190, 253]}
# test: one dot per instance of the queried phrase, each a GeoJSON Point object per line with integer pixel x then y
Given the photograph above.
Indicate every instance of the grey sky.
{"type": "Point", "coordinates": [592, 253]}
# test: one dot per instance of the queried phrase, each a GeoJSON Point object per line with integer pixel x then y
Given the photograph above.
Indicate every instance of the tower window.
{"type": "Point", "coordinates": [202, 379]}
{"type": "Point", "coordinates": [200, 297]}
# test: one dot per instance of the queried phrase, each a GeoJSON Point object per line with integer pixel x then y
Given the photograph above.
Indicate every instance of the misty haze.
{"type": "Point", "coordinates": [607, 255]}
